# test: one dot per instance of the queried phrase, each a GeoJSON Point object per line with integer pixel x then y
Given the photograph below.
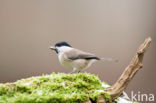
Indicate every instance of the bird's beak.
{"type": "Point", "coordinates": [52, 47]}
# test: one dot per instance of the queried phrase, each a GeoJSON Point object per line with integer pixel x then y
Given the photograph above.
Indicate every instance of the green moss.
{"type": "Point", "coordinates": [117, 99]}
{"type": "Point", "coordinates": [54, 88]}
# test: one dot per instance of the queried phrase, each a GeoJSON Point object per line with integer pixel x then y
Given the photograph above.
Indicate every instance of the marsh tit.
{"type": "Point", "coordinates": [75, 59]}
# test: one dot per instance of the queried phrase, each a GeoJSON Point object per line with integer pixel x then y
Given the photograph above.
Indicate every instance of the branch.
{"type": "Point", "coordinates": [130, 71]}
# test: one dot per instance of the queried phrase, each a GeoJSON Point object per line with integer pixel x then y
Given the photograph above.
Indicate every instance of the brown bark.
{"type": "Point", "coordinates": [129, 72]}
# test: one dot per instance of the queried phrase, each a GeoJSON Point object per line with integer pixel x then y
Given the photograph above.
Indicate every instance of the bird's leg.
{"type": "Point", "coordinates": [79, 71]}
{"type": "Point", "coordinates": [73, 71]}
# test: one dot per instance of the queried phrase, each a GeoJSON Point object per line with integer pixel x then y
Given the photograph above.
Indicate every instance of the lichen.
{"type": "Point", "coordinates": [53, 88]}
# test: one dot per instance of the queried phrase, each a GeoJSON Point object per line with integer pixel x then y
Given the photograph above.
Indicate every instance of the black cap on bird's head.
{"type": "Point", "coordinates": [63, 43]}
{"type": "Point", "coordinates": [59, 44]}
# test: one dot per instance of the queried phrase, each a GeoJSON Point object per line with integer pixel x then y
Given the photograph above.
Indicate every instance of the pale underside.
{"type": "Point", "coordinates": [76, 59]}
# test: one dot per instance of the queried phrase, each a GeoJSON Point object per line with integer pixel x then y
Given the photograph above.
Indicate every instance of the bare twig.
{"type": "Point", "coordinates": [136, 63]}
{"type": "Point", "coordinates": [130, 71]}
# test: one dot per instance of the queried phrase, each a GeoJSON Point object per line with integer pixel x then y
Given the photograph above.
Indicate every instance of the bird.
{"type": "Point", "coordinates": [75, 59]}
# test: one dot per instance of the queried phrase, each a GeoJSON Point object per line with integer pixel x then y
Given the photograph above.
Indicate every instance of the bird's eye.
{"type": "Point", "coordinates": [59, 45]}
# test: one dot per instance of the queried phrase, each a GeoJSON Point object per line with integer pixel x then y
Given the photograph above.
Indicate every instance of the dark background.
{"type": "Point", "coordinates": [108, 28]}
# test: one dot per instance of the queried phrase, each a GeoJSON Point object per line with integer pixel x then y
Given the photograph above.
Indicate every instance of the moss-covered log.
{"type": "Point", "coordinates": [55, 88]}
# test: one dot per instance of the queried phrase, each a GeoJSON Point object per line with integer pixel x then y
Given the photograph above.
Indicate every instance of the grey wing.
{"type": "Point", "coordinates": [77, 54]}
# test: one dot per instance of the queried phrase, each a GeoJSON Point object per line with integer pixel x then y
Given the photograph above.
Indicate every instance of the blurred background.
{"type": "Point", "coordinates": [107, 28]}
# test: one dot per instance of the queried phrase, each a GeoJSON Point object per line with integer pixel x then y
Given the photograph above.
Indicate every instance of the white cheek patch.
{"type": "Point", "coordinates": [63, 49]}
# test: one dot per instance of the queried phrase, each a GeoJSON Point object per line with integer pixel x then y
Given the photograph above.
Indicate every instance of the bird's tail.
{"type": "Point", "coordinates": [109, 59]}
